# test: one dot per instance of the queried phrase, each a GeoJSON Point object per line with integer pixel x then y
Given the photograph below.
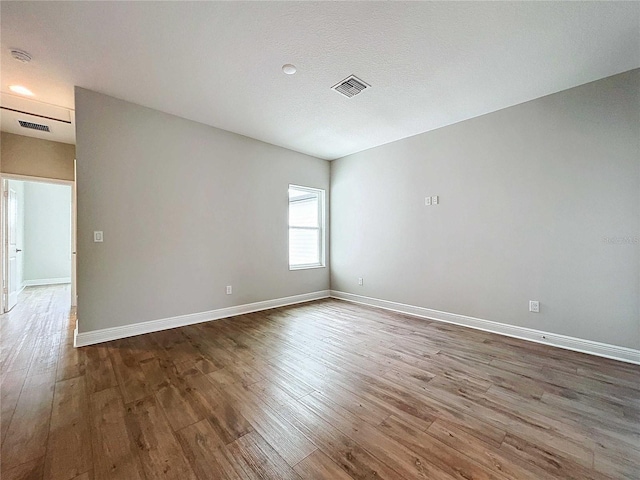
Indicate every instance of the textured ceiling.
{"type": "Point", "coordinates": [429, 64]}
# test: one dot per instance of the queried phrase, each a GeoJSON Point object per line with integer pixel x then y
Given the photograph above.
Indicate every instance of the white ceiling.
{"type": "Point", "coordinates": [429, 64]}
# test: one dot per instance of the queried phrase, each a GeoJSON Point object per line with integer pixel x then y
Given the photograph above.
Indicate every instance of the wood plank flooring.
{"type": "Point", "coordinates": [322, 390]}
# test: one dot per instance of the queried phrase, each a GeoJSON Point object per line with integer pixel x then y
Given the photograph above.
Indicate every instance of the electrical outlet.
{"type": "Point", "coordinates": [534, 306]}
{"type": "Point", "coordinates": [427, 200]}
{"type": "Point", "coordinates": [98, 237]}
{"type": "Point", "coordinates": [229, 289]}
{"type": "Point", "coordinates": [435, 200]}
{"type": "Point", "coordinates": [360, 281]}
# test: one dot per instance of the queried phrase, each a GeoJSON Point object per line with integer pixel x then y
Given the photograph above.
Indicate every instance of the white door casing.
{"type": "Point", "coordinates": [8, 226]}
{"type": "Point", "coordinates": [12, 269]}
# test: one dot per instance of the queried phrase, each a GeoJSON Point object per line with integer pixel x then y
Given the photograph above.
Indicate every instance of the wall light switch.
{"type": "Point", "coordinates": [98, 237]}
{"type": "Point", "coordinates": [534, 306]}
{"type": "Point", "coordinates": [435, 200]}
{"type": "Point", "coordinates": [427, 200]}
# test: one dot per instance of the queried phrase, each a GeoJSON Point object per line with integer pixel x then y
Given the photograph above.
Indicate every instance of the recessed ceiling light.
{"type": "Point", "coordinates": [289, 69]}
{"type": "Point", "coordinates": [21, 90]}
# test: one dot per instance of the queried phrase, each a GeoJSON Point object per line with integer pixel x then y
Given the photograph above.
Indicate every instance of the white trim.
{"type": "Point", "coordinates": [306, 267]}
{"type": "Point", "coordinates": [320, 194]}
{"type": "Point", "coordinates": [114, 333]}
{"type": "Point", "coordinates": [30, 178]}
{"type": "Point", "coordinates": [46, 281]}
{"type": "Point", "coordinates": [599, 349]}
{"type": "Point", "coordinates": [4, 247]}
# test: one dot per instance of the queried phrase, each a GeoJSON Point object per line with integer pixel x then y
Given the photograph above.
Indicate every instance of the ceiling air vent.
{"type": "Point", "coordinates": [350, 86]}
{"type": "Point", "coordinates": [34, 126]}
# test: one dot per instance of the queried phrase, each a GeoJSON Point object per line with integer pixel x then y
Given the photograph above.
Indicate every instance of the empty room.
{"type": "Point", "coordinates": [320, 240]}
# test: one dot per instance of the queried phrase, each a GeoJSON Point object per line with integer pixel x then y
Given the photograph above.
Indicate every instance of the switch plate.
{"type": "Point", "coordinates": [534, 306]}
{"type": "Point", "coordinates": [229, 289]}
{"type": "Point", "coordinates": [435, 200]}
{"type": "Point", "coordinates": [98, 237]}
{"type": "Point", "coordinates": [427, 200]}
{"type": "Point", "coordinates": [360, 281]}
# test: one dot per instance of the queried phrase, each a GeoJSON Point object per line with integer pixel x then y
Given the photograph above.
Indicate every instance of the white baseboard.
{"type": "Point", "coordinates": [104, 335]}
{"type": "Point", "coordinates": [614, 352]}
{"type": "Point", "coordinates": [46, 281]}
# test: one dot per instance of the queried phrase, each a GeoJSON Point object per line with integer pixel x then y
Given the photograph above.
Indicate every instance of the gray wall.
{"type": "Point", "coordinates": [47, 231]}
{"type": "Point", "coordinates": [186, 209]}
{"type": "Point", "coordinates": [528, 195]}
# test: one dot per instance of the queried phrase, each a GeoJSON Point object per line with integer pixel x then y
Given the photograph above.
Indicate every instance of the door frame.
{"type": "Point", "coordinates": [4, 178]}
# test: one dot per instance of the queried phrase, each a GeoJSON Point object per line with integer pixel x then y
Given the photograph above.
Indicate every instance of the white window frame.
{"type": "Point", "coordinates": [320, 228]}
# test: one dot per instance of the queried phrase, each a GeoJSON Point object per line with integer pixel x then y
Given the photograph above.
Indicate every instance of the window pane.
{"type": "Point", "coordinates": [303, 247]}
{"type": "Point", "coordinates": [298, 193]}
{"type": "Point", "coordinates": [304, 213]}
{"type": "Point", "coordinates": [306, 223]}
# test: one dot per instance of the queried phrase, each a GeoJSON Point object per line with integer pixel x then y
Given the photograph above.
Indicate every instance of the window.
{"type": "Point", "coordinates": [306, 225]}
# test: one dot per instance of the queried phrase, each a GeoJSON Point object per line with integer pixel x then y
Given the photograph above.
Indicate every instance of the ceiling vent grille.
{"type": "Point", "coordinates": [34, 126]}
{"type": "Point", "coordinates": [350, 86]}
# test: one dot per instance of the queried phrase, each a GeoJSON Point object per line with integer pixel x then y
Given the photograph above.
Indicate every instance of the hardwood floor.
{"type": "Point", "coordinates": [322, 390]}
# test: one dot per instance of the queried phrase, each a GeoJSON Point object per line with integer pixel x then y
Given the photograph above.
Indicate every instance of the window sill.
{"type": "Point", "coordinates": [305, 267]}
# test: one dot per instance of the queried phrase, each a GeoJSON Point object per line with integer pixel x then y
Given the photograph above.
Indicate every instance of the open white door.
{"type": "Point", "coordinates": [74, 223]}
{"type": "Point", "coordinates": [12, 251]}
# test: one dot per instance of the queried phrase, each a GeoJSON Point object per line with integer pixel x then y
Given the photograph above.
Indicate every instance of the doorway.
{"type": "Point", "coordinates": [38, 236]}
